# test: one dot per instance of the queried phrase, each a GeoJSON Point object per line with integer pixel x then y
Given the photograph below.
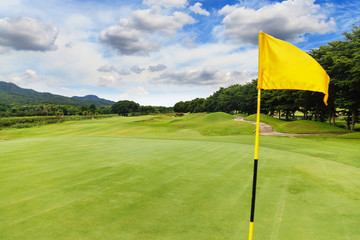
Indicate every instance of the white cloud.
{"type": "Point", "coordinates": [124, 72]}
{"type": "Point", "coordinates": [288, 20]}
{"type": "Point", "coordinates": [204, 77]}
{"type": "Point", "coordinates": [151, 20]}
{"type": "Point", "coordinates": [26, 78]}
{"type": "Point", "coordinates": [127, 41]}
{"type": "Point", "coordinates": [208, 76]}
{"type": "Point", "coordinates": [157, 68]}
{"type": "Point", "coordinates": [76, 66]}
{"type": "Point", "coordinates": [239, 77]}
{"type": "Point", "coordinates": [137, 69]}
{"type": "Point", "coordinates": [167, 3]}
{"type": "Point", "coordinates": [27, 34]}
{"type": "Point", "coordinates": [108, 81]}
{"type": "Point", "coordinates": [129, 36]}
{"type": "Point", "coordinates": [17, 80]}
{"type": "Point", "coordinates": [197, 9]}
{"type": "Point", "coordinates": [107, 68]}
{"type": "Point", "coordinates": [30, 74]}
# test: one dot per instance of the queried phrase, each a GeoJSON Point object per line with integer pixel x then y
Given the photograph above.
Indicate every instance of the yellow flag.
{"type": "Point", "coordinates": [284, 66]}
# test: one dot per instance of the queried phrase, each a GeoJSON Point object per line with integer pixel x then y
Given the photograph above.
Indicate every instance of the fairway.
{"type": "Point", "coordinates": [174, 178]}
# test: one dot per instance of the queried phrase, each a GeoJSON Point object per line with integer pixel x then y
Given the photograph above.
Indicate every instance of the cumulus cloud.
{"type": "Point", "coordinates": [197, 9]}
{"type": "Point", "coordinates": [204, 77]}
{"type": "Point", "coordinates": [208, 76]}
{"type": "Point", "coordinates": [127, 41]}
{"type": "Point", "coordinates": [151, 20]}
{"type": "Point", "coordinates": [108, 81]}
{"type": "Point", "coordinates": [124, 72]}
{"type": "Point", "coordinates": [30, 74]}
{"type": "Point", "coordinates": [157, 68]}
{"type": "Point", "coordinates": [167, 3]}
{"type": "Point", "coordinates": [27, 34]}
{"type": "Point", "coordinates": [129, 36]}
{"type": "Point", "coordinates": [137, 69]}
{"type": "Point", "coordinates": [17, 80]}
{"type": "Point", "coordinates": [107, 68]}
{"type": "Point", "coordinates": [239, 77]}
{"type": "Point", "coordinates": [288, 20]}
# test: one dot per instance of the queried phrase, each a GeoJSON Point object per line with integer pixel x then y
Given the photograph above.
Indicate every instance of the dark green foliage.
{"type": "Point", "coordinates": [145, 110]}
{"type": "Point", "coordinates": [125, 107]}
{"type": "Point", "coordinates": [92, 108]}
{"type": "Point", "coordinates": [236, 98]}
{"type": "Point", "coordinates": [180, 107]}
{"type": "Point", "coordinates": [341, 59]}
{"type": "Point", "coordinates": [51, 110]}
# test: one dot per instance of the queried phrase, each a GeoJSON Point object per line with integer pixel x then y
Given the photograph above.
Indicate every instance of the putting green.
{"type": "Point", "coordinates": [156, 178]}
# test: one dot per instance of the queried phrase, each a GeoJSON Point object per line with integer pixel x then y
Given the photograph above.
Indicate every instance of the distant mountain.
{"type": "Point", "coordinates": [95, 98]}
{"type": "Point", "coordinates": [10, 93]}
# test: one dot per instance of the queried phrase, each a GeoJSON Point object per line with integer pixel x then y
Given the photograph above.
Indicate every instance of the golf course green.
{"type": "Point", "coordinates": [167, 177]}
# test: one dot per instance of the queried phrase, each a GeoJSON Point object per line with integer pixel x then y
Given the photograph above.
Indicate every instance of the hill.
{"type": "Point", "coordinates": [94, 98]}
{"type": "Point", "coordinates": [298, 126]}
{"type": "Point", "coordinates": [11, 94]}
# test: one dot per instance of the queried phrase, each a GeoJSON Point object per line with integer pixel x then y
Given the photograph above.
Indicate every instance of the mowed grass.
{"type": "Point", "coordinates": [174, 178]}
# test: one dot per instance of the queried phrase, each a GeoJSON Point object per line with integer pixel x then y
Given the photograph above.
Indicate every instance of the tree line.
{"type": "Point", "coordinates": [51, 110]}
{"type": "Point", "coordinates": [126, 108]}
{"type": "Point", "coordinates": [340, 59]}
{"type": "Point", "coordinates": [123, 107]}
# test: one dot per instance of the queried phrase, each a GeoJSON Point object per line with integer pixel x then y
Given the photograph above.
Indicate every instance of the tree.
{"type": "Point", "coordinates": [59, 115]}
{"type": "Point", "coordinates": [198, 105]}
{"type": "Point", "coordinates": [180, 107]}
{"type": "Point", "coordinates": [351, 85]}
{"type": "Point", "coordinates": [92, 108]}
{"type": "Point", "coordinates": [341, 59]}
{"type": "Point", "coordinates": [146, 110]}
{"type": "Point", "coordinates": [248, 101]}
{"type": "Point", "coordinates": [125, 107]}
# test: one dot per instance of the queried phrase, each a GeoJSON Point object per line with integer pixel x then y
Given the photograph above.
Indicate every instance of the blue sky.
{"type": "Point", "coordinates": [154, 52]}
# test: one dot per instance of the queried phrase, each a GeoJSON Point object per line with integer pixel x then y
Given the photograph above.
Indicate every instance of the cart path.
{"type": "Point", "coordinates": [268, 130]}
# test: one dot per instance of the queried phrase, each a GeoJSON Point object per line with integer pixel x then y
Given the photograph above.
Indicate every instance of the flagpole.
{"type": "Point", "coordinates": [256, 157]}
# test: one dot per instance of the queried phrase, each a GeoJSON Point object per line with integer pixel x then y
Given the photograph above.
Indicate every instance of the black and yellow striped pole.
{"type": "Point", "coordinates": [256, 158]}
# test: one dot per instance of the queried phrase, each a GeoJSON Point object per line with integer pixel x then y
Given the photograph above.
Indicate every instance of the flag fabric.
{"type": "Point", "coordinates": [284, 66]}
